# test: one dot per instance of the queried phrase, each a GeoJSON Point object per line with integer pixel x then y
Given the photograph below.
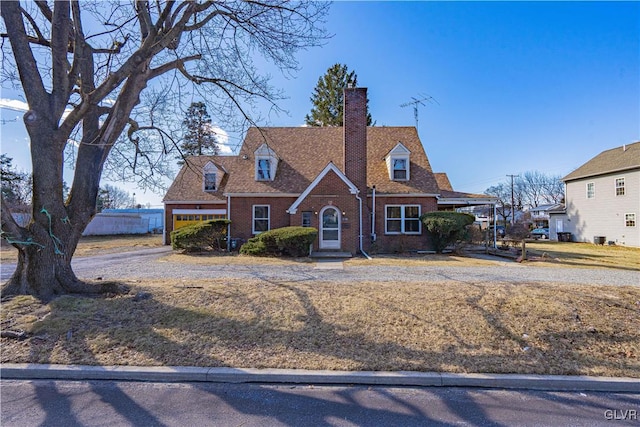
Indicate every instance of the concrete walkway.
{"type": "Point", "coordinates": [26, 371]}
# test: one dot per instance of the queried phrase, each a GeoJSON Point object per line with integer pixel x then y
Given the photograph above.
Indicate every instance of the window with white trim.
{"type": "Point", "coordinates": [266, 163]}
{"type": "Point", "coordinates": [211, 177]}
{"type": "Point", "coordinates": [263, 173]}
{"type": "Point", "coordinates": [591, 190]}
{"type": "Point", "coordinates": [402, 219]}
{"type": "Point", "coordinates": [630, 220]}
{"type": "Point", "coordinates": [261, 218]}
{"type": "Point", "coordinates": [210, 181]}
{"type": "Point", "coordinates": [400, 171]}
{"type": "Point", "coordinates": [619, 186]}
{"type": "Point", "coordinates": [398, 163]}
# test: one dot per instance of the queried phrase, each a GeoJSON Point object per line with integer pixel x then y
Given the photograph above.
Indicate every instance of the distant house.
{"type": "Point", "coordinates": [602, 199]}
{"type": "Point", "coordinates": [539, 215]}
{"type": "Point", "coordinates": [357, 185]}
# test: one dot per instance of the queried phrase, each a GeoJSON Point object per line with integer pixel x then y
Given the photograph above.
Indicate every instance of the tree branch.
{"type": "Point", "coordinates": [27, 67]}
{"type": "Point", "coordinates": [60, 31]}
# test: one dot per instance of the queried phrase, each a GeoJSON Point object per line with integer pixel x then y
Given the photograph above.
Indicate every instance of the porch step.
{"type": "Point", "coordinates": [329, 254]}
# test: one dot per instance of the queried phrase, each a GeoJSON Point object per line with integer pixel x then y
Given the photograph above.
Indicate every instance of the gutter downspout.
{"type": "Point", "coordinates": [373, 215]}
{"type": "Point", "coordinates": [361, 248]}
{"type": "Point", "coordinates": [229, 225]}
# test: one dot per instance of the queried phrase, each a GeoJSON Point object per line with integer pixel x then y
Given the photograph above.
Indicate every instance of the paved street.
{"type": "Point", "coordinates": [107, 403]}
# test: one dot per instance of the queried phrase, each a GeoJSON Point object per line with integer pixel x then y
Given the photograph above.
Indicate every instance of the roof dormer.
{"type": "Point", "coordinates": [266, 163]}
{"type": "Point", "coordinates": [211, 177]}
{"type": "Point", "coordinates": [398, 161]}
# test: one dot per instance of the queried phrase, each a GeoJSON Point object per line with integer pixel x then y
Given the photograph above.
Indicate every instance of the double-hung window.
{"type": "Point", "coordinates": [591, 190]}
{"type": "Point", "coordinates": [402, 219]}
{"type": "Point", "coordinates": [263, 172]}
{"type": "Point", "coordinates": [400, 169]}
{"type": "Point", "coordinates": [210, 181]}
{"type": "Point", "coordinates": [261, 218]}
{"type": "Point", "coordinates": [630, 220]}
{"type": "Point", "coordinates": [619, 186]}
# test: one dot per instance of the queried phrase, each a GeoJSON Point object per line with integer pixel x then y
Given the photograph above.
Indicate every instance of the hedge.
{"type": "Point", "coordinates": [201, 235]}
{"type": "Point", "coordinates": [445, 228]}
{"type": "Point", "coordinates": [291, 241]}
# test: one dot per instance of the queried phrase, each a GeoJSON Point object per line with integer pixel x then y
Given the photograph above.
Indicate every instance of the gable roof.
{"type": "Point", "coordinates": [329, 168]}
{"type": "Point", "coordinates": [187, 186]}
{"type": "Point", "coordinates": [615, 160]}
{"type": "Point", "coordinates": [304, 152]}
{"type": "Point", "coordinates": [443, 181]}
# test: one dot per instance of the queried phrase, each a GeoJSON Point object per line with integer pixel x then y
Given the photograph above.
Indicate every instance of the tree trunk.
{"type": "Point", "coordinates": [44, 267]}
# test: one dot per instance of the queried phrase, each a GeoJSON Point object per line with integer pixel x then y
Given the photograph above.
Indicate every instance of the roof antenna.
{"type": "Point", "coordinates": [419, 100]}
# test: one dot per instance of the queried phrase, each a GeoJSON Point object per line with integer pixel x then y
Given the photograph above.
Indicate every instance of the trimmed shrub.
{"type": "Point", "coordinates": [291, 241]}
{"type": "Point", "coordinates": [445, 228]}
{"type": "Point", "coordinates": [200, 236]}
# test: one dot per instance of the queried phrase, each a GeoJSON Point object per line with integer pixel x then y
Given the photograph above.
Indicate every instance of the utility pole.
{"type": "Point", "coordinates": [513, 208]}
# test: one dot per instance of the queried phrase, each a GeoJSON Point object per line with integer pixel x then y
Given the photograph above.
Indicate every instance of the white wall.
{"type": "Point", "coordinates": [603, 215]}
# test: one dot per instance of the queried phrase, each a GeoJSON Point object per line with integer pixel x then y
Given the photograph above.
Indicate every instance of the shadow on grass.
{"type": "Point", "coordinates": [162, 333]}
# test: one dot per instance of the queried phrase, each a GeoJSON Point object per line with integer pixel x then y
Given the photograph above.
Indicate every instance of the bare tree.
{"type": "Point", "coordinates": [112, 197]}
{"type": "Point", "coordinates": [83, 68]}
{"type": "Point", "coordinates": [530, 189]}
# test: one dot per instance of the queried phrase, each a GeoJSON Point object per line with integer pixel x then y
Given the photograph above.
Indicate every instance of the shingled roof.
{"type": "Point", "coordinates": [609, 161]}
{"type": "Point", "coordinates": [303, 153]}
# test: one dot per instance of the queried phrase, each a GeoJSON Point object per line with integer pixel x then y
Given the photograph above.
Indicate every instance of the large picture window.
{"type": "Point", "coordinates": [261, 219]}
{"type": "Point", "coordinates": [402, 219]}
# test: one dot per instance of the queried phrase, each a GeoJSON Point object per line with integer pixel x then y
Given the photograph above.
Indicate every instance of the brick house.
{"type": "Point", "coordinates": [359, 186]}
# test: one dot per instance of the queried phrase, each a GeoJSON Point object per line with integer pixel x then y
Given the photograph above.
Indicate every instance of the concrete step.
{"type": "Point", "coordinates": [331, 254]}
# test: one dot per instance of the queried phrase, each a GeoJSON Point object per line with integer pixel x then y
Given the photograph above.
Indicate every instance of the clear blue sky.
{"type": "Point", "coordinates": [520, 86]}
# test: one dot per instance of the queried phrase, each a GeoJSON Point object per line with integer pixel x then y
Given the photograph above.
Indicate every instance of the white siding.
{"type": "Point", "coordinates": [604, 214]}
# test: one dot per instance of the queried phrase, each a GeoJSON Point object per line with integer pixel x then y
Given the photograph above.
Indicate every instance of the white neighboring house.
{"type": "Point", "coordinates": [602, 199]}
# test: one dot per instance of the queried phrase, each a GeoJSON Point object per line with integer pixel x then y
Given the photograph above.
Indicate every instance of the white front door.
{"type": "Point", "coordinates": [559, 226]}
{"type": "Point", "coordinates": [329, 228]}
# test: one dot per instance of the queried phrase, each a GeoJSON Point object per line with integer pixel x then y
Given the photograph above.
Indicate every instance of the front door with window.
{"type": "Point", "coordinates": [329, 228]}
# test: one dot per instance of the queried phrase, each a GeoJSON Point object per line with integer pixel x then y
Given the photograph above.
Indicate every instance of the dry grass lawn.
{"type": "Point", "coordinates": [448, 327]}
{"type": "Point", "coordinates": [585, 255]}
{"type": "Point", "coordinates": [96, 245]}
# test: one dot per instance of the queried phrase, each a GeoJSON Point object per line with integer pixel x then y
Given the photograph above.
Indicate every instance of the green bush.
{"type": "Point", "coordinates": [200, 236]}
{"type": "Point", "coordinates": [291, 241]}
{"type": "Point", "coordinates": [445, 228]}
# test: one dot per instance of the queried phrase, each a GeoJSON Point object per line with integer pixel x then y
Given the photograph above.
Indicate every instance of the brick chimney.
{"type": "Point", "coordinates": [355, 137]}
{"type": "Point", "coordinates": [355, 153]}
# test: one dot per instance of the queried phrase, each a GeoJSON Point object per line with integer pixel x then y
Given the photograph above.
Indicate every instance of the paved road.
{"type": "Point", "coordinates": [98, 403]}
{"type": "Point", "coordinates": [152, 264]}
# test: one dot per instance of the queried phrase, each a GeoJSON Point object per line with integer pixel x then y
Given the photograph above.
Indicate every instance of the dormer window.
{"type": "Point", "coordinates": [211, 177]}
{"type": "Point", "coordinates": [264, 170]}
{"type": "Point", "coordinates": [398, 163]}
{"type": "Point", "coordinates": [210, 181]}
{"type": "Point", "coordinates": [266, 163]}
{"type": "Point", "coordinates": [400, 169]}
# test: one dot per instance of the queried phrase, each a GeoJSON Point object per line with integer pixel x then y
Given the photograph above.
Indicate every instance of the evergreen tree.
{"type": "Point", "coordinates": [328, 98]}
{"type": "Point", "coordinates": [200, 137]}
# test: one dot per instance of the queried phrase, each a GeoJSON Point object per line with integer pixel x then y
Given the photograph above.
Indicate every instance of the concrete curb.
{"type": "Point", "coordinates": [24, 371]}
